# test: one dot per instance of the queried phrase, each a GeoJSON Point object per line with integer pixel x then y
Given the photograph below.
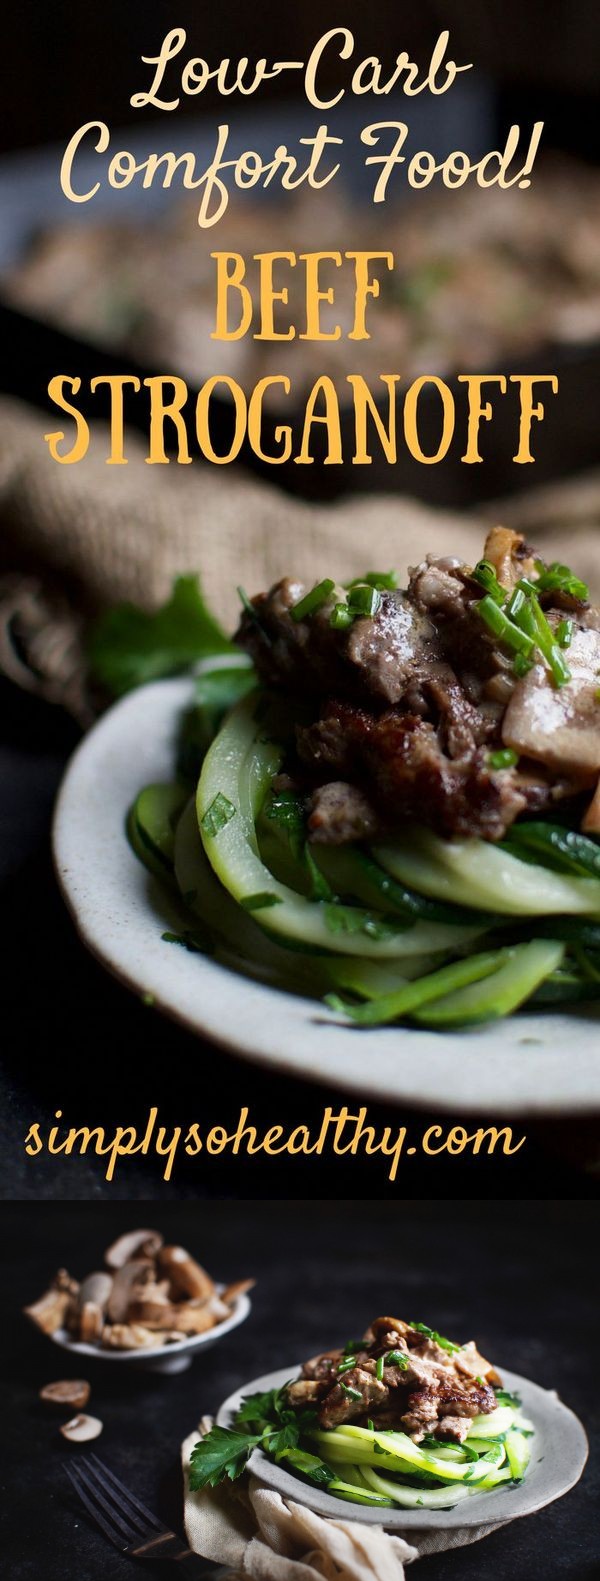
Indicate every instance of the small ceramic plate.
{"type": "Point", "coordinates": [558, 1456]}
{"type": "Point", "coordinates": [544, 1064]}
{"type": "Point", "coordinates": [172, 1358]}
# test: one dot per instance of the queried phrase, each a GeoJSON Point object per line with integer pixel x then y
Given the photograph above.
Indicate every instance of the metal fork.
{"type": "Point", "coordinates": [127, 1523]}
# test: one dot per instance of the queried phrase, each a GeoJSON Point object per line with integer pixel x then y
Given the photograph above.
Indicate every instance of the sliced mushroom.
{"type": "Point", "coordinates": [127, 1336]}
{"type": "Point", "coordinates": [129, 1246]}
{"type": "Point", "coordinates": [238, 1288]}
{"type": "Point", "coordinates": [50, 1312]}
{"type": "Point", "coordinates": [91, 1323]}
{"type": "Point", "coordinates": [128, 1282]}
{"type": "Point", "coordinates": [502, 547]}
{"type": "Point", "coordinates": [560, 726]}
{"type": "Point", "coordinates": [186, 1277]}
{"type": "Point", "coordinates": [81, 1428]}
{"type": "Point", "coordinates": [152, 1307]}
{"type": "Point", "coordinates": [68, 1391]}
{"type": "Point", "coordinates": [192, 1317]}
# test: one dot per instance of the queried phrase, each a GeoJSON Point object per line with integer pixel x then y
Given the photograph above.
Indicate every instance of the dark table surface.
{"type": "Point", "coordinates": [78, 1042]}
{"type": "Point", "coordinates": [520, 1281]}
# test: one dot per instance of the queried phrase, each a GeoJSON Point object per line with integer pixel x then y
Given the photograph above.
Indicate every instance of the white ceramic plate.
{"type": "Point", "coordinates": [545, 1064]}
{"type": "Point", "coordinates": [558, 1456]}
{"type": "Point", "coordinates": [175, 1357]}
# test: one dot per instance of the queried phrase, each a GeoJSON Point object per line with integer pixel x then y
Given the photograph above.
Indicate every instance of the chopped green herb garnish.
{"type": "Point", "coordinates": [384, 581]}
{"type": "Point", "coordinates": [532, 621]}
{"type": "Point", "coordinates": [558, 578]}
{"type": "Point", "coordinates": [397, 1358]}
{"type": "Point", "coordinates": [319, 888]}
{"type": "Point", "coordinates": [432, 1333]}
{"type": "Point", "coordinates": [564, 633]}
{"type": "Point", "coordinates": [347, 1364]}
{"type": "Point", "coordinates": [485, 575]}
{"type": "Point", "coordinates": [521, 665]}
{"type": "Point", "coordinates": [505, 758]}
{"type": "Point", "coordinates": [353, 1394]}
{"type": "Point", "coordinates": [379, 1368]}
{"type": "Point", "coordinates": [503, 628]}
{"type": "Point", "coordinates": [220, 812]}
{"type": "Point", "coordinates": [311, 602]}
{"type": "Point", "coordinates": [196, 943]}
{"type": "Point", "coordinates": [370, 1424]}
{"type": "Point", "coordinates": [341, 617]}
{"type": "Point", "coordinates": [364, 600]}
{"type": "Point", "coordinates": [260, 901]}
{"type": "Point", "coordinates": [480, 1380]}
{"type": "Point", "coordinates": [352, 1345]}
{"type": "Point", "coordinates": [129, 646]}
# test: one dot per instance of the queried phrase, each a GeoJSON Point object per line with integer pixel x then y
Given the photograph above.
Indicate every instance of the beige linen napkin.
{"type": "Point", "coordinates": [75, 539]}
{"type": "Point", "coordinates": [259, 1535]}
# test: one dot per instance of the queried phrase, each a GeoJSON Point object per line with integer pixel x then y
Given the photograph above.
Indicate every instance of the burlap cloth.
{"type": "Point", "coordinates": [75, 539]}
{"type": "Point", "coordinates": [256, 1534]}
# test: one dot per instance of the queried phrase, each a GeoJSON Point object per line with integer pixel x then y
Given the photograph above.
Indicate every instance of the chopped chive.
{"type": "Point", "coordinates": [346, 1364]}
{"type": "Point", "coordinates": [311, 602]}
{"type": "Point", "coordinates": [515, 602]}
{"type": "Point", "coordinates": [384, 581]}
{"type": "Point", "coordinates": [352, 1345]}
{"type": "Point", "coordinates": [259, 901]}
{"type": "Point", "coordinates": [220, 812]}
{"type": "Point", "coordinates": [532, 620]}
{"type": "Point", "coordinates": [504, 758]}
{"type": "Point", "coordinates": [364, 600]}
{"type": "Point", "coordinates": [432, 1333]}
{"type": "Point", "coordinates": [485, 575]}
{"type": "Point", "coordinates": [522, 665]}
{"type": "Point", "coordinates": [564, 633]}
{"type": "Point", "coordinates": [353, 1394]}
{"type": "Point", "coordinates": [503, 628]}
{"type": "Point", "coordinates": [379, 1368]}
{"type": "Point", "coordinates": [397, 1358]}
{"type": "Point", "coordinates": [370, 1424]}
{"type": "Point", "coordinates": [480, 1380]}
{"type": "Point", "coordinates": [341, 617]}
{"type": "Point", "coordinates": [245, 601]}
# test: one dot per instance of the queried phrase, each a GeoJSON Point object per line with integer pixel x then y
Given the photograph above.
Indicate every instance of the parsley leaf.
{"type": "Point", "coordinates": [129, 646]}
{"type": "Point", "coordinates": [222, 1453]}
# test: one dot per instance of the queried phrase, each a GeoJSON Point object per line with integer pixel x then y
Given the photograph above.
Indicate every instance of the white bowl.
{"type": "Point", "coordinates": [174, 1357]}
{"type": "Point", "coordinates": [533, 1064]}
{"type": "Point", "coordinates": [558, 1456]}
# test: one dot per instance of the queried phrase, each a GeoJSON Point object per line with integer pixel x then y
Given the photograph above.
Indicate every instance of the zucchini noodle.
{"type": "Point", "coordinates": [439, 933]}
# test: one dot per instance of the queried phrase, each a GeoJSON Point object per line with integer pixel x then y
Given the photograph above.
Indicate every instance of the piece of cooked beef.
{"type": "Point", "coordinates": [409, 775]}
{"type": "Point", "coordinates": [340, 812]}
{"type": "Point", "coordinates": [399, 1378]}
{"type": "Point", "coordinates": [374, 660]}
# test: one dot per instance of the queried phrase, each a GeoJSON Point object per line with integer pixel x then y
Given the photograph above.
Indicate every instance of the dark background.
{"type": "Point", "coordinates": [520, 1282]}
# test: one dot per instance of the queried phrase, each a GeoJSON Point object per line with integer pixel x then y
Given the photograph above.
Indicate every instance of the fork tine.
{"type": "Point", "coordinates": [109, 1530]}
{"type": "Point", "coordinates": [122, 1532]}
{"type": "Point", "coordinates": [113, 1487]}
{"type": "Point", "coordinates": [128, 1501]}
